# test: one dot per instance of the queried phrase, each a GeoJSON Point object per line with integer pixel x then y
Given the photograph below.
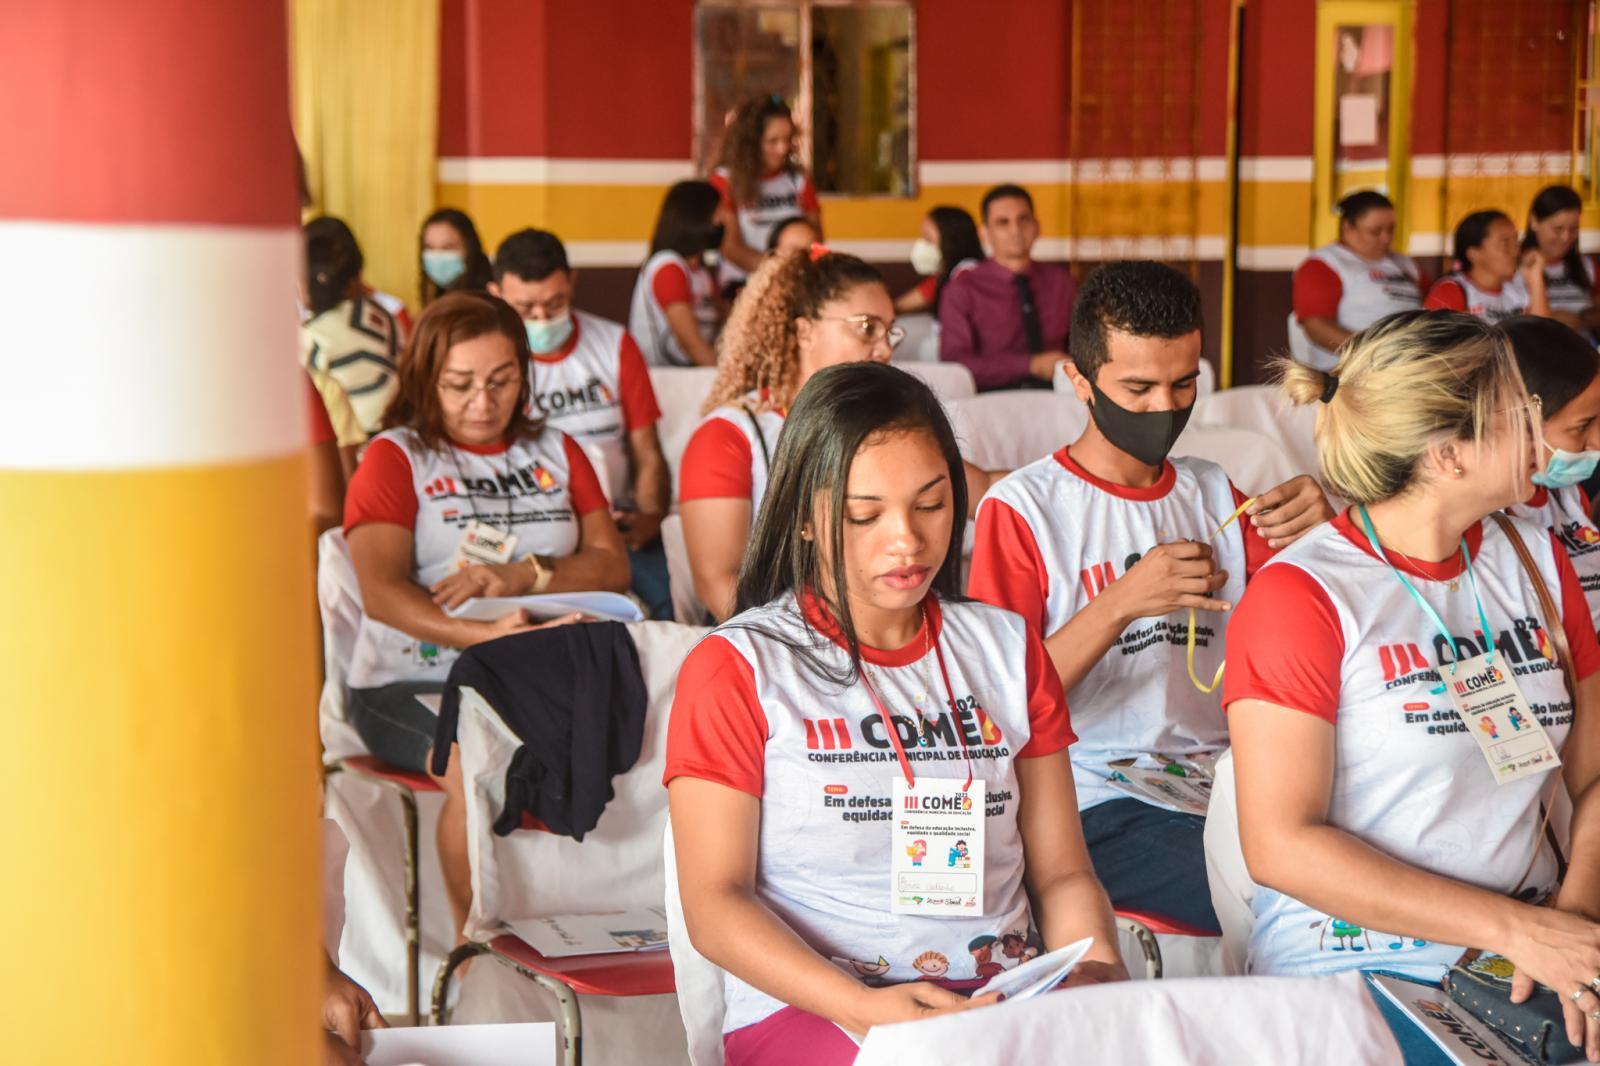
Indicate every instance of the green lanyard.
{"type": "Point", "coordinates": [1427, 608]}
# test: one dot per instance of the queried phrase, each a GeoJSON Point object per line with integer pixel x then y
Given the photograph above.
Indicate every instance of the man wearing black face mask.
{"type": "Point", "coordinates": [1106, 546]}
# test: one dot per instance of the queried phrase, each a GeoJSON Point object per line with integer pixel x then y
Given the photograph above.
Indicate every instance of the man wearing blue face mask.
{"type": "Point", "coordinates": [1110, 548]}
{"type": "Point", "coordinates": [588, 377]}
{"type": "Point", "coordinates": [1563, 370]}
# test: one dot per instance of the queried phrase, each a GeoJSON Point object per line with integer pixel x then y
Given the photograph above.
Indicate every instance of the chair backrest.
{"type": "Point", "coordinates": [1232, 891]}
{"type": "Point", "coordinates": [1206, 383]}
{"type": "Point", "coordinates": [1005, 430]}
{"type": "Point", "coordinates": [1302, 349]}
{"type": "Point", "coordinates": [921, 343]}
{"type": "Point", "coordinates": [686, 605]}
{"type": "Point", "coordinates": [680, 393]}
{"type": "Point", "coordinates": [339, 602]}
{"type": "Point", "coordinates": [949, 381]}
{"type": "Point", "coordinates": [699, 980]}
{"type": "Point", "coordinates": [1264, 409]}
{"type": "Point", "coordinates": [617, 866]}
{"type": "Point", "coordinates": [1252, 460]}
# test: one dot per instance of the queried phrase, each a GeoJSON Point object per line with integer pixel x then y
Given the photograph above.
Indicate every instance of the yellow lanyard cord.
{"type": "Point", "coordinates": [1217, 680]}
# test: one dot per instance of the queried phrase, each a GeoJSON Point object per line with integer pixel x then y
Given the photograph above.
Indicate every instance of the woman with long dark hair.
{"type": "Point", "coordinates": [947, 246]}
{"type": "Point", "coordinates": [760, 182]}
{"type": "Point", "coordinates": [855, 678]}
{"type": "Point", "coordinates": [675, 313]}
{"type": "Point", "coordinates": [1570, 279]}
{"type": "Point", "coordinates": [450, 256]}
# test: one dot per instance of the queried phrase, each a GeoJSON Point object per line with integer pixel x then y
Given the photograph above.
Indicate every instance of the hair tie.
{"type": "Point", "coordinates": [818, 250]}
{"type": "Point", "coordinates": [1330, 385]}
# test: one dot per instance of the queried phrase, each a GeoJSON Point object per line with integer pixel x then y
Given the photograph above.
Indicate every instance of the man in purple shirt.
{"type": "Point", "coordinates": [1006, 319]}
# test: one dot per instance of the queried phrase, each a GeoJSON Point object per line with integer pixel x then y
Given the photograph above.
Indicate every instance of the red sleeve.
{"type": "Point", "coordinates": [928, 288]}
{"type": "Point", "coordinates": [582, 484]}
{"type": "Point", "coordinates": [1594, 278]}
{"type": "Point", "coordinates": [1007, 569]}
{"type": "Point", "coordinates": [809, 205]}
{"type": "Point", "coordinates": [639, 407]}
{"type": "Point", "coordinates": [724, 190]}
{"type": "Point", "coordinates": [1317, 291]}
{"type": "Point", "coordinates": [717, 730]}
{"type": "Point", "coordinates": [1049, 724]}
{"type": "Point", "coordinates": [671, 285]}
{"type": "Point", "coordinates": [716, 464]}
{"type": "Point", "coordinates": [381, 489]}
{"type": "Point", "coordinates": [1446, 295]}
{"type": "Point", "coordinates": [317, 417]}
{"type": "Point", "coordinates": [1256, 549]}
{"type": "Point", "coordinates": [1575, 617]}
{"type": "Point", "coordinates": [1285, 644]}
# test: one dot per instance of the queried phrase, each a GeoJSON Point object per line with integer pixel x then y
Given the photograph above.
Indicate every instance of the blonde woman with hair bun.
{"type": "Point", "coordinates": [800, 312]}
{"type": "Point", "coordinates": [1369, 817]}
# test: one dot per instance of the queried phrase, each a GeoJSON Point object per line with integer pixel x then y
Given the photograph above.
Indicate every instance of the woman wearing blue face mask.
{"type": "Point", "coordinates": [450, 256]}
{"type": "Point", "coordinates": [1563, 370]}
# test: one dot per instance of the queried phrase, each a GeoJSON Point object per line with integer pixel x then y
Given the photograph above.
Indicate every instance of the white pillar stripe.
{"type": "Point", "coordinates": [98, 354]}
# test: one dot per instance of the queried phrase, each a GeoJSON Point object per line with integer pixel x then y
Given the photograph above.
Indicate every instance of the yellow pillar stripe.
{"type": "Point", "coordinates": [162, 790]}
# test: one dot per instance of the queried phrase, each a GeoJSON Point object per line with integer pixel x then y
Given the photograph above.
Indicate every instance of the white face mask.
{"type": "Point", "coordinates": [925, 257]}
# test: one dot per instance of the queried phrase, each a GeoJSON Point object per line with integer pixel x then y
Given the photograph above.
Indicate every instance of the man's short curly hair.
{"type": "Point", "coordinates": [1135, 296]}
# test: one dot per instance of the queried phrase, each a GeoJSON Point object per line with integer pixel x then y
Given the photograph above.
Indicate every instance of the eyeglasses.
{"type": "Point", "coordinates": [461, 391]}
{"type": "Point", "coordinates": [870, 328]}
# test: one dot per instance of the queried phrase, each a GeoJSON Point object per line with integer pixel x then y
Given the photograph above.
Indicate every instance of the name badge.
{"type": "Point", "coordinates": [1497, 716]}
{"type": "Point", "coordinates": [483, 545]}
{"type": "Point", "coordinates": [936, 861]}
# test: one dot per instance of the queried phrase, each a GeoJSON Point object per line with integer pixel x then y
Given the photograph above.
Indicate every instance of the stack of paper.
{"type": "Point", "coordinates": [596, 934]}
{"type": "Point", "coordinates": [606, 606]}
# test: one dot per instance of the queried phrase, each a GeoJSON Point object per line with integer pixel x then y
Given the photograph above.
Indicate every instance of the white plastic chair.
{"type": "Point", "coordinates": [530, 875]}
{"type": "Point", "coordinates": [339, 601]}
{"type": "Point", "coordinates": [1232, 890]}
{"type": "Point", "coordinates": [921, 343]}
{"type": "Point", "coordinates": [1303, 350]}
{"type": "Point", "coordinates": [949, 381]}
{"type": "Point", "coordinates": [699, 979]}
{"type": "Point", "coordinates": [680, 393]}
{"type": "Point", "coordinates": [1006, 430]}
{"type": "Point", "coordinates": [1264, 409]}
{"type": "Point", "coordinates": [686, 605]}
{"type": "Point", "coordinates": [1253, 461]}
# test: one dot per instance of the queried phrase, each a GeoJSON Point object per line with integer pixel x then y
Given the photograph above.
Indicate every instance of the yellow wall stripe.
{"type": "Point", "coordinates": [163, 877]}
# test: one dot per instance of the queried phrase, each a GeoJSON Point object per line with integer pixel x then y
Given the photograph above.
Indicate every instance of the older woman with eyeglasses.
{"type": "Point", "coordinates": [800, 312]}
{"type": "Point", "coordinates": [462, 495]}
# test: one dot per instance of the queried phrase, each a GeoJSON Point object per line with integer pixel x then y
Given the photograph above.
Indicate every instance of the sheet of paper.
{"type": "Point", "coordinates": [1462, 1037]}
{"type": "Point", "coordinates": [521, 1044]}
{"type": "Point", "coordinates": [1182, 784]}
{"type": "Point", "coordinates": [596, 934]}
{"type": "Point", "coordinates": [607, 606]}
{"type": "Point", "coordinates": [431, 700]}
{"type": "Point", "coordinates": [1039, 975]}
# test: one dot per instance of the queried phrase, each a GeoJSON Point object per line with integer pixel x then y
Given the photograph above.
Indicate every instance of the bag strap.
{"type": "Point", "coordinates": [761, 438]}
{"type": "Point", "coordinates": [1558, 640]}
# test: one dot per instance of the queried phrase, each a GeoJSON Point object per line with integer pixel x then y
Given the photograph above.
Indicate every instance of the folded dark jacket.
{"type": "Point", "coordinates": [575, 698]}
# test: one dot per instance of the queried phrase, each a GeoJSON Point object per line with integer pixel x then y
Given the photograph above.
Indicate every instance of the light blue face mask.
{"type": "Point", "coordinates": [1566, 468]}
{"type": "Point", "coordinates": [443, 267]}
{"type": "Point", "coordinates": [545, 337]}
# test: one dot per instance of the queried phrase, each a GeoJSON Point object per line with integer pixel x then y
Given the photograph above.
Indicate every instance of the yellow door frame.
{"type": "Point", "coordinates": [1332, 14]}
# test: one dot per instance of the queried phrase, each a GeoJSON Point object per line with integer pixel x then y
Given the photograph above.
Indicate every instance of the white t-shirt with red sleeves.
{"type": "Point", "coordinates": [1051, 537]}
{"type": "Point", "coordinates": [730, 454]}
{"type": "Point", "coordinates": [749, 715]}
{"type": "Point", "coordinates": [538, 487]}
{"type": "Point", "coordinates": [1354, 292]}
{"type": "Point", "coordinates": [1326, 629]}
{"type": "Point", "coordinates": [1565, 513]}
{"type": "Point", "coordinates": [666, 279]}
{"type": "Point", "coordinates": [780, 195]}
{"type": "Point", "coordinates": [1568, 295]}
{"type": "Point", "coordinates": [596, 389]}
{"type": "Point", "coordinates": [1456, 292]}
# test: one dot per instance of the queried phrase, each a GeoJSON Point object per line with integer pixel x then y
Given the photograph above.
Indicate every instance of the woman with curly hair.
{"type": "Point", "coordinates": [760, 182]}
{"type": "Point", "coordinates": [800, 312]}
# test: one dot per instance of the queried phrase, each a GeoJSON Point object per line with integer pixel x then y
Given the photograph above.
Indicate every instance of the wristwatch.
{"type": "Point", "coordinates": [543, 570]}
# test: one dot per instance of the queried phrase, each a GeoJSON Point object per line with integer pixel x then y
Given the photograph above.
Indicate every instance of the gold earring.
{"type": "Point", "coordinates": [805, 534]}
{"type": "Point", "coordinates": [1459, 471]}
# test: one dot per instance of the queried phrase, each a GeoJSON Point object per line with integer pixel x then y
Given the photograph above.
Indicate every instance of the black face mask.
{"type": "Point", "coordinates": [1146, 435]}
{"type": "Point", "coordinates": [714, 237]}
